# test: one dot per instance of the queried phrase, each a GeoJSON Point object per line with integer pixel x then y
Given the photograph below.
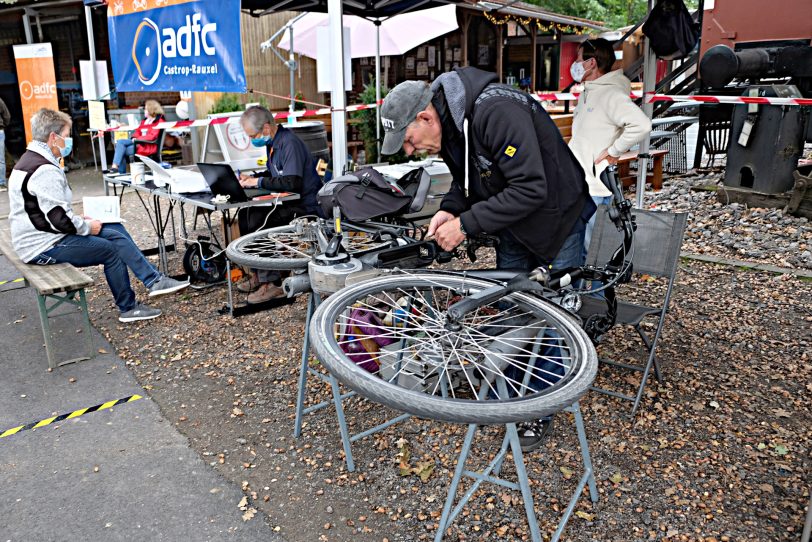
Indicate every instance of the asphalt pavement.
{"type": "Point", "coordinates": [118, 474]}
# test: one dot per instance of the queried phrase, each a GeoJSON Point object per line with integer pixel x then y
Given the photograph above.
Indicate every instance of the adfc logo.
{"type": "Point", "coordinates": [30, 91]}
{"type": "Point", "coordinates": [146, 51]}
{"type": "Point", "coordinates": [153, 45]}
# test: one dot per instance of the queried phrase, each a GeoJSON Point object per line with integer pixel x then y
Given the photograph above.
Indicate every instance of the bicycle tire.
{"type": "Point", "coordinates": [291, 247]}
{"type": "Point", "coordinates": [283, 248]}
{"type": "Point", "coordinates": [325, 334]}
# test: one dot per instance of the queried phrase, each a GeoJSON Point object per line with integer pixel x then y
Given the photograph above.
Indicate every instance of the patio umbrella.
{"type": "Point", "coordinates": [397, 34]}
{"type": "Point", "coordinates": [394, 36]}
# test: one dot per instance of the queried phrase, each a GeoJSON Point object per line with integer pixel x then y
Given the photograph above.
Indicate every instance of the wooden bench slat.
{"type": "Point", "coordinates": [656, 175]}
{"type": "Point", "coordinates": [632, 155]}
{"type": "Point", "coordinates": [46, 279]}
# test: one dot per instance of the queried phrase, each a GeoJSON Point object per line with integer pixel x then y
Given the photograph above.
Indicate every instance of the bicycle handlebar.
{"type": "Point", "coordinates": [540, 279]}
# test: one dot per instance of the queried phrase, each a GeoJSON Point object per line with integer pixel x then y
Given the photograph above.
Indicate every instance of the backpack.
{"type": "Point", "coordinates": [671, 31]}
{"type": "Point", "coordinates": [362, 338]}
{"type": "Point", "coordinates": [367, 194]}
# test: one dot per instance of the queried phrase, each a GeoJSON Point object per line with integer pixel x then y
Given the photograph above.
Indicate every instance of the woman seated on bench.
{"type": "Point", "coordinates": [45, 230]}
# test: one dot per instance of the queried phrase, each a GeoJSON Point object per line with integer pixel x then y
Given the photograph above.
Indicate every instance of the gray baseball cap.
{"type": "Point", "coordinates": [400, 109]}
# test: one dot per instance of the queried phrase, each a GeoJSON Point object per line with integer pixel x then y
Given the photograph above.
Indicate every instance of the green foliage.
{"type": "Point", "coordinates": [298, 105]}
{"type": "Point", "coordinates": [613, 13]}
{"type": "Point", "coordinates": [226, 103]}
{"type": "Point", "coordinates": [229, 102]}
{"type": "Point", "coordinates": [366, 126]}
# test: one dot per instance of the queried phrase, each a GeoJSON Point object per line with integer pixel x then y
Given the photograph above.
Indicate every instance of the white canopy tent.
{"type": "Point", "coordinates": [393, 36]}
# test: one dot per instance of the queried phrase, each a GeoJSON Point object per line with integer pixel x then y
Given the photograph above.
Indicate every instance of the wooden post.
{"type": "Point", "coordinates": [499, 52]}
{"type": "Point", "coordinates": [466, 22]}
{"type": "Point", "coordinates": [533, 57]}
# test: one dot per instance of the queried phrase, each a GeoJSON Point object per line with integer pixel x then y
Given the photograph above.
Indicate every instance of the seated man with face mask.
{"type": "Point", "coordinates": [290, 168]}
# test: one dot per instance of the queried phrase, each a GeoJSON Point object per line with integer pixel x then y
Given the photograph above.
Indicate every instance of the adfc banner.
{"type": "Point", "coordinates": [172, 45]}
{"type": "Point", "coordinates": [37, 80]}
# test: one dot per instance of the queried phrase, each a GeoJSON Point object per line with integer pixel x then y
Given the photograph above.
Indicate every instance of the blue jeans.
{"type": "Point", "coordinates": [511, 254]}
{"type": "Point", "coordinates": [124, 149]}
{"type": "Point", "coordinates": [115, 250]}
{"type": "Point", "coordinates": [599, 200]}
{"type": "Point", "coordinates": [2, 158]}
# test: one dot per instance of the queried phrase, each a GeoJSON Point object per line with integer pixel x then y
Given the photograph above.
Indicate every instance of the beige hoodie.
{"type": "Point", "coordinates": [605, 117]}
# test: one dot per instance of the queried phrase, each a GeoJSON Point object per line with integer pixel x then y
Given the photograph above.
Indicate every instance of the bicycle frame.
{"type": "Point", "coordinates": [552, 286]}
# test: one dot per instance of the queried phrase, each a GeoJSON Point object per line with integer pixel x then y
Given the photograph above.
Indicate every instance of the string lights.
{"type": "Point", "coordinates": [544, 26]}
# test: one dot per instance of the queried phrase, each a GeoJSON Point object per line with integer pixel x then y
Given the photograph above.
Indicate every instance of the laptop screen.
{"type": "Point", "coordinates": [223, 181]}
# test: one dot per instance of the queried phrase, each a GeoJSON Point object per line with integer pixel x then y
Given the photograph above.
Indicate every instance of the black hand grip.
{"type": "Point", "coordinates": [483, 297]}
{"type": "Point", "coordinates": [609, 179]}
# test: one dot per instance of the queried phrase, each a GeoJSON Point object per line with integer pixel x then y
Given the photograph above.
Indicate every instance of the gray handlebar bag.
{"type": "Point", "coordinates": [367, 194]}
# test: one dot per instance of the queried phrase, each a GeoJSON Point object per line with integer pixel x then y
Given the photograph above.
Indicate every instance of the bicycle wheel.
{"type": "Point", "coordinates": [282, 248]}
{"type": "Point", "coordinates": [518, 359]}
{"type": "Point", "coordinates": [290, 247]}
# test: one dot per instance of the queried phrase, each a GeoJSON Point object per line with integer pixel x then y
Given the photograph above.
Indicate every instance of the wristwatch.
{"type": "Point", "coordinates": [462, 228]}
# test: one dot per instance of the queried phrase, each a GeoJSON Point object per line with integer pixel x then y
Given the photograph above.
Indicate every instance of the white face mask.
{"type": "Point", "coordinates": [577, 71]}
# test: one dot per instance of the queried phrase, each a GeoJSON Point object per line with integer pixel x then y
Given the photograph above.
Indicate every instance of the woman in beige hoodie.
{"type": "Point", "coordinates": [606, 122]}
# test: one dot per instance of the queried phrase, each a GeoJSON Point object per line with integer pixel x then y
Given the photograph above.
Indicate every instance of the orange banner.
{"type": "Point", "coordinates": [36, 80]}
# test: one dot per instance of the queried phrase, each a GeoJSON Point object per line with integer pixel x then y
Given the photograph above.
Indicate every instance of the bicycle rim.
{"type": "Point", "coordinates": [292, 246]}
{"type": "Point", "coordinates": [388, 340]}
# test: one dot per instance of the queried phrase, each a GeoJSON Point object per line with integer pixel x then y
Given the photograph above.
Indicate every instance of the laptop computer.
{"type": "Point", "coordinates": [223, 181]}
{"type": "Point", "coordinates": [179, 180]}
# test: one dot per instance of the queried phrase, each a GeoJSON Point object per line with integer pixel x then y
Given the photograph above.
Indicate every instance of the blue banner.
{"type": "Point", "coordinates": [177, 45]}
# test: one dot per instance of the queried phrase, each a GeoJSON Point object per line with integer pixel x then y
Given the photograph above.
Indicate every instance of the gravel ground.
{"type": "Point", "coordinates": [719, 451]}
{"type": "Point", "coordinates": [734, 230]}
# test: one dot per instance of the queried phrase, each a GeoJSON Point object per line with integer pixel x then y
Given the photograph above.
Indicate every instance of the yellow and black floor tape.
{"type": "Point", "coordinates": [12, 281]}
{"type": "Point", "coordinates": [69, 415]}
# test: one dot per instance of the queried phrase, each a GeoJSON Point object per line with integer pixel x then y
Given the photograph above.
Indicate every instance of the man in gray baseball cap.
{"type": "Point", "coordinates": [401, 108]}
{"type": "Point", "coordinates": [513, 176]}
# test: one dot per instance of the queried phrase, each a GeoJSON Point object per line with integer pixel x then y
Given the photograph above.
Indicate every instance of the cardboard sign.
{"type": "Point", "coordinates": [96, 115]}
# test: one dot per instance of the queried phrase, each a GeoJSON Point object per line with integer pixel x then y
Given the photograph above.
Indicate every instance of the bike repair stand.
{"type": "Point", "coordinates": [346, 439]}
{"type": "Point", "coordinates": [491, 473]}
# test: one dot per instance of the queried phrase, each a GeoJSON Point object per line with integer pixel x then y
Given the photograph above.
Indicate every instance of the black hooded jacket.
{"type": "Point", "coordinates": [523, 177]}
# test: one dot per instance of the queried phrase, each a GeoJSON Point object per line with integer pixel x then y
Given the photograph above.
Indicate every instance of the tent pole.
{"type": "Point", "coordinates": [338, 97]}
{"type": "Point", "coordinates": [91, 45]}
{"type": "Point", "coordinates": [292, 70]}
{"type": "Point", "coordinates": [649, 76]}
{"type": "Point", "coordinates": [378, 88]}
{"type": "Point", "coordinates": [29, 37]}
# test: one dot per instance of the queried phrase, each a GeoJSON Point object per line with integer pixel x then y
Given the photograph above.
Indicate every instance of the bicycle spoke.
{"type": "Point", "coordinates": [445, 368]}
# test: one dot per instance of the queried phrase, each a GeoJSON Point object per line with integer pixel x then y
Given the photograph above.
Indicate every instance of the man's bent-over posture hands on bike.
{"type": "Point", "coordinates": [513, 175]}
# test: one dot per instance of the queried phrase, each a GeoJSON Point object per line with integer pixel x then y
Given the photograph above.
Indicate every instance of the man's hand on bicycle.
{"type": "Point", "coordinates": [445, 228]}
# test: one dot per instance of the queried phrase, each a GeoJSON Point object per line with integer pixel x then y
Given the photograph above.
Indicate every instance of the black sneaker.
{"type": "Point", "coordinates": [532, 434]}
{"type": "Point", "coordinates": [139, 312]}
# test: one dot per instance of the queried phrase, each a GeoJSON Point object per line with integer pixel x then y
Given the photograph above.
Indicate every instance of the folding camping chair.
{"type": "Point", "coordinates": [655, 252]}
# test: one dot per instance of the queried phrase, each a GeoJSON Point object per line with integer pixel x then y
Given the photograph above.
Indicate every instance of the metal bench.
{"type": "Point", "coordinates": [59, 283]}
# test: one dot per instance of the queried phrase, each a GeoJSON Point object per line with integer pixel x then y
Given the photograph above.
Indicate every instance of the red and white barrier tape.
{"type": "Point", "coordinates": [698, 99]}
{"type": "Point", "coordinates": [571, 96]}
{"type": "Point", "coordinates": [760, 100]}
{"type": "Point", "coordinates": [549, 96]}
{"type": "Point", "coordinates": [282, 115]}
